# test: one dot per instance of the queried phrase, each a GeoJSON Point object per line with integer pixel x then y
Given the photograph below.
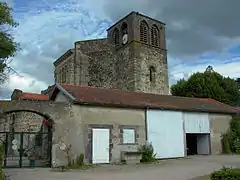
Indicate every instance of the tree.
{"type": "Point", "coordinates": [7, 45]}
{"type": "Point", "coordinates": [209, 84]}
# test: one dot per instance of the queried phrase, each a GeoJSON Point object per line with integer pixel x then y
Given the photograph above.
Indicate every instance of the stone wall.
{"type": "Point", "coordinates": [94, 63]}
{"type": "Point", "coordinates": [60, 114]}
{"type": "Point", "coordinates": [219, 125]}
{"type": "Point", "coordinates": [113, 118]}
{"type": "Point", "coordinates": [68, 64]}
{"type": "Point", "coordinates": [100, 63]}
{"type": "Point", "coordinates": [151, 57]}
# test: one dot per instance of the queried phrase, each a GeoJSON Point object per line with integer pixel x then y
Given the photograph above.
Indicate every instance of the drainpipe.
{"type": "Point", "coordinates": [146, 125]}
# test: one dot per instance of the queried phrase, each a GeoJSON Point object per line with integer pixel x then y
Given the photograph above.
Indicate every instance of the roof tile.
{"type": "Point", "coordinates": [86, 94]}
{"type": "Point", "coordinates": [33, 96]}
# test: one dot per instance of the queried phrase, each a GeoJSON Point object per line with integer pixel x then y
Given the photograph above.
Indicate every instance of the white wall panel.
{"type": "Point", "coordinates": [196, 122]}
{"type": "Point", "coordinates": [165, 132]}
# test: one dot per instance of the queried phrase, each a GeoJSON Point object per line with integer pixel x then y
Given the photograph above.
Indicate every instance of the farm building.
{"type": "Point", "coordinates": [108, 122]}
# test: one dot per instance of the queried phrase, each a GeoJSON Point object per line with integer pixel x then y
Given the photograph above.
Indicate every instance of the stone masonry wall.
{"type": "Point", "coordinates": [100, 63]}
{"type": "Point", "coordinates": [113, 118]}
{"type": "Point", "coordinates": [60, 114]}
{"type": "Point", "coordinates": [151, 57]}
{"type": "Point", "coordinates": [219, 124]}
{"type": "Point", "coordinates": [68, 63]}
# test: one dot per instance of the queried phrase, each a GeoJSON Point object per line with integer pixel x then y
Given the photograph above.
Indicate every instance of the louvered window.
{"type": "Point", "coordinates": [155, 36]}
{"type": "Point", "coordinates": [144, 32]}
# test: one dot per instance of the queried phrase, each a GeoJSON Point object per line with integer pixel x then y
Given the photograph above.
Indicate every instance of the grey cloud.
{"type": "Point", "coordinates": [5, 93]}
{"type": "Point", "coordinates": [38, 62]}
{"type": "Point", "coordinates": [212, 25]}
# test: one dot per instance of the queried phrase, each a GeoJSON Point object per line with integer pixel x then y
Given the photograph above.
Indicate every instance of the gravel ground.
{"type": "Point", "coordinates": [176, 169]}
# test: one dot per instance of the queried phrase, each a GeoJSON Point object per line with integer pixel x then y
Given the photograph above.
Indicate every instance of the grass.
{"type": "Point", "coordinates": [75, 166]}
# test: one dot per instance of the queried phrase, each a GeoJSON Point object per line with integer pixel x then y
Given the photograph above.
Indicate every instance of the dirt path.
{"type": "Point", "coordinates": [179, 169]}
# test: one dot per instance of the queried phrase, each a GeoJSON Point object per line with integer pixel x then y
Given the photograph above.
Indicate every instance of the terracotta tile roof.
{"type": "Point", "coordinates": [237, 109]}
{"type": "Point", "coordinates": [33, 96]}
{"type": "Point", "coordinates": [93, 95]}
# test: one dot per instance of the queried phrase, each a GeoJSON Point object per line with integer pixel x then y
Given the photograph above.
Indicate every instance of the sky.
{"type": "Point", "coordinates": [199, 33]}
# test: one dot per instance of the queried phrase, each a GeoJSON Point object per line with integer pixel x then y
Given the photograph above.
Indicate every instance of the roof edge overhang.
{"type": "Point", "coordinates": [151, 107]}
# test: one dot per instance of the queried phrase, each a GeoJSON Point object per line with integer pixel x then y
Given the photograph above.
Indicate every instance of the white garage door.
{"type": "Point", "coordinates": [196, 122]}
{"type": "Point", "coordinates": [165, 132]}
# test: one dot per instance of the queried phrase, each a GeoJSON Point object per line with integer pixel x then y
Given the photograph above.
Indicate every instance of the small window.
{"type": "Point", "coordinates": [124, 29]}
{"type": "Point", "coordinates": [65, 74]}
{"type": "Point", "coordinates": [152, 73]}
{"type": "Point", "coordinates": [61, 75]}
{"type": "Point", "coordinates": [116, 36]}
{"type": "Point", "coordinates": [129, 136]}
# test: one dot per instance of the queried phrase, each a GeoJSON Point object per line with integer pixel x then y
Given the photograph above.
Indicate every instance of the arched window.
{"type": "Point", "coordinates": [60, 75]}
{"type": "Point", "coordinates": [152, 72]}
{"type": "Point", "coordinates": [116, 36]}
{"type": "Point", "coordinates": [155, 36]}
{"type": "Point", "coordinates": [124, 28]}
{"type": "Point", "coordinates": [144, 32]}
{"type": "Point", "coordinates": [63, 74]}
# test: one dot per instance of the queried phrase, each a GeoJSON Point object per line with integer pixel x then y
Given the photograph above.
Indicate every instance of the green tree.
{"type": "Point", "coordinates": [7, 45]}
{"type": "Point", "coordinates": [209, 84]}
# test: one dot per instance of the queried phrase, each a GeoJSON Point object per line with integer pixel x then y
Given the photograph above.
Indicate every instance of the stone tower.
{"type": "Point", "coordinates": [133, 57]}
{"type": "Point", "coordinates": [141, 55]}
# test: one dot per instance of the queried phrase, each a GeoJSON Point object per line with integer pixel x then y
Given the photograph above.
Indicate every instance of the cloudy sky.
{"type": "Point", "coordinates": [199, 33]}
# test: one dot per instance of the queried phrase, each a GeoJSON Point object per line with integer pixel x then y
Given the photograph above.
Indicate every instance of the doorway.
{"type": "Point", "coordinates": [100, 146]}
{"type": "Point", "coordinates": [198, 144]}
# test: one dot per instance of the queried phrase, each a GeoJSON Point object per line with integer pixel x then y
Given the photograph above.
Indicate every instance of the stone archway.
{"type": "Point", "coordinates": [59, 113]}
{"type": "Point", "coordinates": [33, 144]}
{"type": "Point", "coordinates": [26, 117]}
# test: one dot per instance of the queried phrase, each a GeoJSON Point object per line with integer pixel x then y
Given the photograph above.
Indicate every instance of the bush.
{"type": "Point", "coordinates": [80, 160]}
{"type": "Point", "coordinates": [231, 139]}
{"type": "Point", "coordinates": [226, 174]}
{"type": "Point", "coordinates": [226, 149]}
{"type": "Point", "coordinates": [147, 153]}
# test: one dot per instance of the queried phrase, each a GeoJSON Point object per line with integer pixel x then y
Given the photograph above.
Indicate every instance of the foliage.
{"type": "Point", "coordinates": [7, 45]}
{"type": "Point", "coordinates": [80, 159]}
{"type": "Point", "coordinates": [226, 173]}
{"type": "Point", "coordinates": [147, 153]}
{"type": "Point", "coordinates": [226, 149]}
{"type": "Point", "coordinates": [209, 84]}
{"type": "Point", "coordinates": [231, 139]}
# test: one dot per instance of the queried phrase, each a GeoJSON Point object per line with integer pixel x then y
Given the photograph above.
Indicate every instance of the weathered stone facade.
{"type": "Point", "coordinates": [60, 114]}
{"type": "Point", "coordinates": [21, 122]}
{"type": "Point", "coordinates": [219, 125]}
{"type": "Point", "coordinates": [138, 65]}
{"type": "Point", "coordinates": [115, 119]}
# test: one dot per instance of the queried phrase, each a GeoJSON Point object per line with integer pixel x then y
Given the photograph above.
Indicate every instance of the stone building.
{"type": "Point", "coordinates": [133, 58]}
{"type": "Point", "coordinates": [106, 123]}
{"type": "Point", "coordinates": [23, 121]}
